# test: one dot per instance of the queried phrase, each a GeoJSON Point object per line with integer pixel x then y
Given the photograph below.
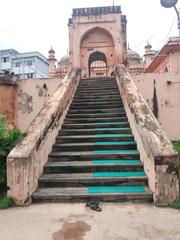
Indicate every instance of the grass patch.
{"type": "Point", "coordinates": [175, 204]}
{"type": "Point", "coordinates": [5, 202]}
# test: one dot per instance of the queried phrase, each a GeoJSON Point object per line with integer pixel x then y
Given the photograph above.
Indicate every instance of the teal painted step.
{"type": "Point", "coordinates": [114, 143]}
{"type": "Point", "coordinates": [111, 123]}
{"type": "Point", "coordinates": [115, 151]}
{"type": "Point", "coordinates": [117, 189]}
{"type": "Point", "coordinates": [113, 135]}
{"type": "Point", "coordinates": [99, 129]}
{"type": "Point", "coordinates": [119, 174]}
{"type": "Point", "coordinates": [128, 162]}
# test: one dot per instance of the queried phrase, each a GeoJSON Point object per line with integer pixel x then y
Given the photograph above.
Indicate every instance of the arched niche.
{"type": "Point", "coordinates": [97, 40]}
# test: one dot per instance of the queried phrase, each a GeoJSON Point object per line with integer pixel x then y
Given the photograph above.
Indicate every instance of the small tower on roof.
{"type": "Point", "coordinates": [52, 63]}
{"type": "Point", "coordinates": [149, 54]}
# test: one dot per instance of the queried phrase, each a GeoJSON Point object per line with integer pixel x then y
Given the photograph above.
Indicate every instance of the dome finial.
{"type": "Point", "coordinates": [51, 50]}
{"type": "Point", "coordinates": [148, 45]}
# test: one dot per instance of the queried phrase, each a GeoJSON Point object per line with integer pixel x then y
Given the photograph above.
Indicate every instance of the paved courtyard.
{"type": "Point", "coordinates": [76, 222]}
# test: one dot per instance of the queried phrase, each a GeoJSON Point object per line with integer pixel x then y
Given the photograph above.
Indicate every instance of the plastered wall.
{"type": "Point", "coordinates": [167, 87]}
{"type": "Point", "coordinates": [31, 95]}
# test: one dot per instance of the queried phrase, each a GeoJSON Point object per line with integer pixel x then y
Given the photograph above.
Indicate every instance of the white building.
{"type": "Point", "coordinates": [24, 65]}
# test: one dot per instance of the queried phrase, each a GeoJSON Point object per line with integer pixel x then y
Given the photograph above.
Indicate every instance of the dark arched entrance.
{"type": "Point", "coordinates": [97, 64]}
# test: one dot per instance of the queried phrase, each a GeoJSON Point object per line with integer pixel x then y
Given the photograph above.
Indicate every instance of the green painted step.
{"type": "Point", "coordinates": [119, 174]}
{"type": "Point", "coordinates": [114, 143]}
{"type": "Point", "coordinates": [108, 129]}
{"type": "Point", "coordinates": [115, 151]}
{"type": "Point", "coordinates": [114, 162]}
{"type": "Point", "coordinates": [117, 189]}
{"type": "Point", "coordinates": [112, 123]}
{"type": "Point", "coordinates": [113, 135]}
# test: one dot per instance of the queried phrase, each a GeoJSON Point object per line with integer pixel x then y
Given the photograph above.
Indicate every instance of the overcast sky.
{"type": "Point", "coordinates": [37, 24]}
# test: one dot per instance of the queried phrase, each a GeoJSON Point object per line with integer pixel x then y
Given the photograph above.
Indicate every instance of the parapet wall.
{"type": "Point", "coordinates": [156, 151]}
{"type": "Point", "coordinates": [26, 161]}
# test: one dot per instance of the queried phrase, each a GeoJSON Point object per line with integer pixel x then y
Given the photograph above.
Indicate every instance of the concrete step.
{"type": "Point", "coordinates": [96, 106]}
{"type": "Point", "coordinates": [97, 88]}
{"type": "Point", "coordinates": [96, 83]}
{"type": "Point", "coordinates": [100, 110]}
{"type": "Point", "coordinates": [95, 115]}
{"type": "Point", "coordinates": [94, 146]}
{"type": "Point", "coordinates": [95, 138]}
{"type": "Point", "coordinates": [93, 166]}
{"type": "Point", "coordinates": [95, 125]}
{"type": "Point", "coordinates": [100, 87]}
{"type": "Point", "coordinates": [87, 103]}
{"type": "Point", "coordinates": [100, 94]}
{"type": "Point", "coordinates": [94, 131]}
{"type": "Point", "coordinates": [93, 179]}
{"type": "Point", "coordinates": [94, 155]}
{"type": "Point", "coordinates": [85, 194]}
{"type": "Point", "coordinates": [97, 92]}
{"type": "Point", "coordinates": [99, 100]}
{"type": "Point", "coordinates": [92, 98]}
{"type": "Point", "coordinates": [95, 120]}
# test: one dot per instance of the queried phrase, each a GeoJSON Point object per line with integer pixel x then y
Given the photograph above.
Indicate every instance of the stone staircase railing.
{"type": "Point", "coordinates": [156, 151]}
{"type": "Point", "coordinates": [26, 161]}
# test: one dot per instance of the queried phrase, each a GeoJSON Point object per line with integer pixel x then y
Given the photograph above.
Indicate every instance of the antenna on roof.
{"type": "Point", "coordinates": [113, 3]}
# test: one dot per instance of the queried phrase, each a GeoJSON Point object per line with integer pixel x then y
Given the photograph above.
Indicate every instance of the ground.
{"type": "Point", "coordinates": [76, 222]}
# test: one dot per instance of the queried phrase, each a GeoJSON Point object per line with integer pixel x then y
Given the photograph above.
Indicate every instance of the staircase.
{"type": "Point", "coordinates": [95, 155]}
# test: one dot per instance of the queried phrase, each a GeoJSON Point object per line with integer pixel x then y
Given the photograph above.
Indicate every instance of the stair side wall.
{"type": "Point", "coordinates": [160, 160]}
{"type": "Point", "coordinates": [26, 161]}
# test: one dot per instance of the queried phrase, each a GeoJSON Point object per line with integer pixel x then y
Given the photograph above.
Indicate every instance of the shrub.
{"type": "Point", "coordinates": [176, 145]}
{"type": "Point", "coordinates": [175, 204]}
{"type": "Point", "coordinates": [5, 203]}
{"type": "Point", "coordinates": [8, 139]}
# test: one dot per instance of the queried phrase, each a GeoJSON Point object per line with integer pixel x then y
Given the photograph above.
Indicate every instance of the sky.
{"type": "Point", "coordinates": [36, 25]}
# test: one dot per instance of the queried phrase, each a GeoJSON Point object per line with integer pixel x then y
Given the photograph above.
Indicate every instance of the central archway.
{"type": "Point", "coordinates": [97, 51]}
{"type": "Point", "coordinates": [97, 64]}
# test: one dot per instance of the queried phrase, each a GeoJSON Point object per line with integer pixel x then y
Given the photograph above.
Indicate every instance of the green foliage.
{"type": "Point", "coordinates": [8, 139]}
{"type": "Point", "coordinates": [5, 203]}
{"type": "Point", "coordinates": [176, 145]}
{"type": "Point", "coordinates": [175, 204]}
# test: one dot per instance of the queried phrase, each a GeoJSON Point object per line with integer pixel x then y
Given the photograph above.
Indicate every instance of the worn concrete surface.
{"type": "Point", "coordinates": [76, 222]}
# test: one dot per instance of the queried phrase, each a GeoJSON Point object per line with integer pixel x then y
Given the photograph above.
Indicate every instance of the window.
{"type": "Point", "coordinates": [6, 59]}
{"type": "Point", "coordinates": [17, 64]}
{"type": "Point", "coordinates": [30, 75]}
{"type": "Point", "coordinates": [166, 69]}
{"type": "Point", "coordinates": [29, 63]}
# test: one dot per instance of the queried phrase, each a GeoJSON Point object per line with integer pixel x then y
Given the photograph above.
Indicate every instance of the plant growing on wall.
{"type": "Point", "coordinates": [8, 139]}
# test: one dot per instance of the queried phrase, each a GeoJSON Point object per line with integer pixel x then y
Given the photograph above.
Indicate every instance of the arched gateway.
{"type": "Point", "coordinates": [97, 64]}
{"type": "Point", "coordinates": [100, 34]}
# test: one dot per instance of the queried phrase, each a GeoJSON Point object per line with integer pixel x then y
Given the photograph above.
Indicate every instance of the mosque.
{"type": "Point", "coordinates": [99, 128]}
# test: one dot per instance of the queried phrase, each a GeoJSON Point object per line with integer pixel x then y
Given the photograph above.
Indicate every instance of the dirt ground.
{"type": "Point", "coordinates": [77, 222]}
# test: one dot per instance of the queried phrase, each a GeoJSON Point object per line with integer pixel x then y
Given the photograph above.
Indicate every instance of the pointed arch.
{"type": "Point", "coordinates": [97, 64]}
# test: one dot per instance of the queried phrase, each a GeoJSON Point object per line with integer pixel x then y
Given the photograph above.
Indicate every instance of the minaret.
{"type": "Point", "coordinates": [52, 65]}
{"type": "Point", "coordinates": [149, 54]}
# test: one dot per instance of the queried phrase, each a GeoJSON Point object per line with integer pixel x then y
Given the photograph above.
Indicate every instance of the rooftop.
{"type": "Point", "coordinates": [7, 79]}
{"type": "Point", "coordinates": [172, 44]}
{"type": "Point", "coordinates": [96, 10]}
